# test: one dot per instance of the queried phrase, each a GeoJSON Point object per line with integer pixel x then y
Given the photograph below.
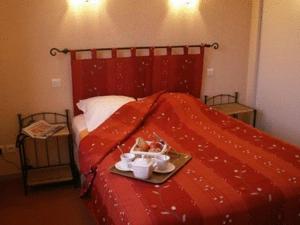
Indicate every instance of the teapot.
{"type": "Point", "coordinates": [142, 168]}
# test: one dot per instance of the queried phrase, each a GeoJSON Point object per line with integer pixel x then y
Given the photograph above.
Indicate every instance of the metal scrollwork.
{"type": "Point", "coordinates": [215, 45]}
{"type": "Point", "coordinates": [54, 51]}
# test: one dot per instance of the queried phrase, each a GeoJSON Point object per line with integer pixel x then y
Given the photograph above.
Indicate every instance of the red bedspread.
{"type": "Point", "coordinates": [238, 175]}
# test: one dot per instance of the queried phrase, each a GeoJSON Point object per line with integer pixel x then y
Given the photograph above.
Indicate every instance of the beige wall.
{"type": "Point", "coordinates": [254, 47]}
{"type": "Point", "coordinates": [30, 28]}
{"type": "Point", "coordinates": [278, 93]}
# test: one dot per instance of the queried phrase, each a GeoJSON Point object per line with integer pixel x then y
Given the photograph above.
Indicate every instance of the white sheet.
{"type": "Point", "coordinates": [98, 109]}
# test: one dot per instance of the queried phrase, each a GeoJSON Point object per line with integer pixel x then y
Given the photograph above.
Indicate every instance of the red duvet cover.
{"type": "Point", "coordinates": [238, 175]}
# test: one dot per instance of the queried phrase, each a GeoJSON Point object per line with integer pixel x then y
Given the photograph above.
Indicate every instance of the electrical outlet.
{"type": "Point", "coordinates": [56, 82]}
{"type": "Point", "coordinates": [9, 148]}
{"type": "Point", "coordinates": [210, 72]}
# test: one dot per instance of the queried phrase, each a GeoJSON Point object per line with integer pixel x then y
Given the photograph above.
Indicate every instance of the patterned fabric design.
{"type": "Point", "coordinates": [136, 76]}
{"type": "Point", "coordinates": [238, 174]}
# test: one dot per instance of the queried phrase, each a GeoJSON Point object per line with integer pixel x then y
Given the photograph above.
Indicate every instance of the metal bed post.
{"type": "Point", "coordinates": [20, 145]}
{"type": "Point", "coordinates": [71, 151]}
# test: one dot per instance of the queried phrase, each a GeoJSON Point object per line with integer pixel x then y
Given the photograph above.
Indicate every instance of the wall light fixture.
{"type": "Point", "coordinates": [81, 2]}
{"type": "Point", "coordinates": [177, 4]}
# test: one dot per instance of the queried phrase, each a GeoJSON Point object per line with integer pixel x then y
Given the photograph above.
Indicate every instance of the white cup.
{"type": "Point", "coordinates": [126, 158]}
{"type": "Point", "coordinates": [162, 161]}
{"type": "Point", "coordinates": [142, 168]}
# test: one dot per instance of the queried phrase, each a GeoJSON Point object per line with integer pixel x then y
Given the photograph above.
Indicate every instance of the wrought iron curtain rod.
{"type": "Point", "coordinates": [54, 51]}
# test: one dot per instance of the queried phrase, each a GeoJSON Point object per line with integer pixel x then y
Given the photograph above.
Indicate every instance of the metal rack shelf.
{"type": "Point", "coordinates": [50, 160]}
{"type": "Point", "coordinates": [49, 175]}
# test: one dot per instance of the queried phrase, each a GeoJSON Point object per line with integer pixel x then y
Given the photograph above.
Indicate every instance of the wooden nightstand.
{"type": "Point", "coordinates": [49, 160]}
{"type": "Point", "coordinates": [229, 105]}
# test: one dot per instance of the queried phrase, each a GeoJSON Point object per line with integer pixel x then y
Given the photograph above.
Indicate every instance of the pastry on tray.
{"type": "Point", "coordinates": [143, 147]}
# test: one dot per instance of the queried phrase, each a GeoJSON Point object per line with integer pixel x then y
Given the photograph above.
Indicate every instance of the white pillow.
{"type": "Point", "coordinates": [97, 109]}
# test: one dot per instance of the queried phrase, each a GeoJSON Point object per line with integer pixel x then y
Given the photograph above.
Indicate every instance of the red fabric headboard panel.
{"type": "Point", "coordinates": [136, 76]}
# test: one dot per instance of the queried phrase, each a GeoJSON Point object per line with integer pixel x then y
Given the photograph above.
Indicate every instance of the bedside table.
{"type": "Point", "coordinates": [49, 160]}
{"type": "Point", "coordinates": [229, 105]}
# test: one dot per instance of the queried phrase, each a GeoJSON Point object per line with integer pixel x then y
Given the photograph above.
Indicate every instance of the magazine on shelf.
{"type": "Point", "coordinates": [42, 129]}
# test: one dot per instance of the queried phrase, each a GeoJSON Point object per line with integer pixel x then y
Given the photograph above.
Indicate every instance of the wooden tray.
{"type": "Point", "coordinates": [177, 158]}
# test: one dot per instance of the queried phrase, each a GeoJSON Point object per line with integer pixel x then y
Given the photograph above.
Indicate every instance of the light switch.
{"type": "Point", "coordinates": [210, 72]}
{"type": "Point", "coordinates": [56, 82]}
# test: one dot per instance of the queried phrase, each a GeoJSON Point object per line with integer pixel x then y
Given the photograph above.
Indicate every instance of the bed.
{"type": "Point", "coordinates": [237, 174]}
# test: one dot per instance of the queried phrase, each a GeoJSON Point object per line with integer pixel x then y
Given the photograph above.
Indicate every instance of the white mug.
{"type": "Point", "coordinates": [126, 158]}
{"type": "Point", "coordinates": [162, 161]}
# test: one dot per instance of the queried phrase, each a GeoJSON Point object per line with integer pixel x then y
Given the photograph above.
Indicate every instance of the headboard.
{"type": "Point", "coordinates": [136, 75]}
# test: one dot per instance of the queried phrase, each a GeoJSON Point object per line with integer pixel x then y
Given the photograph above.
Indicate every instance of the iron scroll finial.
{"type": "Point", "coordinates": [54, 51]}
{"type": "Point", "coordinates": [215, 45]}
